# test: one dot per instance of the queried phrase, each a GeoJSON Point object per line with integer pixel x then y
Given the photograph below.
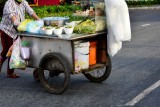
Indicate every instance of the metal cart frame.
{"type": "Point", "coordinates": [55, 56]}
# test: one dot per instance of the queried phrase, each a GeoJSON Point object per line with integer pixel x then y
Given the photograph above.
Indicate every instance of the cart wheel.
{"type": "Point", "coordinates": [54, 73]}
{"type": "Point", "coordinates": [35, 75]}
{"type": "Point", "coordinates": [100, 74]}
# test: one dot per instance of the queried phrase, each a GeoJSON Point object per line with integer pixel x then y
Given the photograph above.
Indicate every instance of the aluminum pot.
{"type": "Point", "coordinates": [55, 21]}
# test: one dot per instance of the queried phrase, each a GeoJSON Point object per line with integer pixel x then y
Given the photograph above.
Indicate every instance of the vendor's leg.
{"type": "Point", "coordinates": [5, 47]}
{"type": "Point", "coordinates": [9, 71]}
{"type": "Point", "coordinates": [10, 42]}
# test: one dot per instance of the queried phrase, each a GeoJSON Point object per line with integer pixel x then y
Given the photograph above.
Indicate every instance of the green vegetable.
{"type": "Point", "coordinates": [68, 27]}
{"type": "Point", "coordinates": [57, 27]}
{"type": "Point", "coordinates": [87, 27]}
{"type": "Point", "coordinates": [57, 11]}
{"type": "Point", "coordinates": [25, 44]}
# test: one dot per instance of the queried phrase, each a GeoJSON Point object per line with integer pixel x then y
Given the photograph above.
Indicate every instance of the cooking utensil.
{"type": "Point", "coordinates": [55, 21]}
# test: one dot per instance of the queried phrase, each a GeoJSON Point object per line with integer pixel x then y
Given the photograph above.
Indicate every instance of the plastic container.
{"type": "Point", "coordinates": [81, 56]}
{"type": "Point", "coordinates": [92, 53]}
{"type": "Point", "coordinates": [68, 31]}
{"type": "Point", "coordinates": [48, 31]}
{"type": "Point", "coordinates": [71, 23]}
{"type": "Point", "coordinates": [58, 32]}
{"type": "Point", "coordinates": [101, 23]}
{"type": "Point", "coordinates": [25, 53]}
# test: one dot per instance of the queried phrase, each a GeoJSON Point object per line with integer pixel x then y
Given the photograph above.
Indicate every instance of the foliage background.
{"type": "Point", "coordinates": [67, 10]}
{"type": "Point", "coordinates": [142, 2]}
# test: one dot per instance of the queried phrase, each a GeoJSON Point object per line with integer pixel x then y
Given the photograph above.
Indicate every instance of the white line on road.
{"type": "Point", "coordinates": [143, 94]}
{"type": "Point", "coordinates": [145, 25]}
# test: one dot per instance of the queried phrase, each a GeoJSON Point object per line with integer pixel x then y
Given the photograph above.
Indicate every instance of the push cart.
{"type": "Point", "coordinates": [54, 59]}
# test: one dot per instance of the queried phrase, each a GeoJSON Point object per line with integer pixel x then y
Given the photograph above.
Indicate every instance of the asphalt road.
{"type": "Point", "coordinates": [135, 68]}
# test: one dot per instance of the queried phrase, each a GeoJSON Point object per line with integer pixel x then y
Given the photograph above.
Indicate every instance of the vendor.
{"type": "Point", "coordinates": [13, 15]}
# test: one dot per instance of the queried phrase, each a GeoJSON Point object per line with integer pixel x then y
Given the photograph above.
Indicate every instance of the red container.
{"type": "Point", "coordinates": [92, 53]}
{"type": "Point", "coordinates": [48, 2]}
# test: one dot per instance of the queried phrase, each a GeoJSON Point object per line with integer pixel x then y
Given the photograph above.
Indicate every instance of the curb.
{"type": "Point", "coordinates": [140, 8]}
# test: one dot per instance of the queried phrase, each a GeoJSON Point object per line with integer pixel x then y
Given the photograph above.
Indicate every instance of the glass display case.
{"type": "Point", "coordinates": [95, 9]}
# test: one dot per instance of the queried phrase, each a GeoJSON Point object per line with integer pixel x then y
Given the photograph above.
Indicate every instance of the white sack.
{"type": "Point", "coordinates": [113, 45]}
{"type": "Point", "coordinates": [118, 24]}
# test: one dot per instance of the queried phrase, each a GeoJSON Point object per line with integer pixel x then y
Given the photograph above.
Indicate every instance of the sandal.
{"type": "Point", "coordinates": [0, 63]}
{"type": "Point", "coordinates": [13, 75]}
{"type": "Point", "coordinates": [0, 66]}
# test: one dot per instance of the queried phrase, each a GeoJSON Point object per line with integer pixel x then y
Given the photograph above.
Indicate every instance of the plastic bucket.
{"type": "Point", "coordinates": [81, 56]}
{"type": "Point", "coordinates": [25, 53]}
{"type": "Point", "coordinates": [93, 52]}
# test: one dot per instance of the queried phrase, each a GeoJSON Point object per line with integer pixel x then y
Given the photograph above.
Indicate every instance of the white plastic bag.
{"type": "Point", "coordinates": [25, 53]}
{"type": "Point", "coordinates": [113, 45]}
{"type": "Point", "coordinates": [23, 25]}
{"type": "Point", "coordinates": [40, 22]}
{"type": "Point", "coordinates": [118, 19]}
{"type": "Point", "coordinates": [32, 27]}
{"type": "Point", "coordinates": [118, 24]}
{"type": "Point", "coordinates": [16, 61]}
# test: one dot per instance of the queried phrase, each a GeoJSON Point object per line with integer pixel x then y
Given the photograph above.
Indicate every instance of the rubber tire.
{"type": "Point", "coordinates": [104, 76]}
{"type": "Point", "coordinates": [35, 75]}
{"type": "Point", "coordinates": [67, 70]}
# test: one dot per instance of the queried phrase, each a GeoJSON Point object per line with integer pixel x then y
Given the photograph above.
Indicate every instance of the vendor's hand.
{"type": "Point", "coordinates": [15, 27]}
{"type": "Point", "coordinates": [40, 22]}
{"type": "Point", "coordinates": [16, 23]}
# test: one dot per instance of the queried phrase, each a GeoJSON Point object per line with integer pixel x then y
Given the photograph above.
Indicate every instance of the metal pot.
{"type": "Point", "coordinates": [55, 21]}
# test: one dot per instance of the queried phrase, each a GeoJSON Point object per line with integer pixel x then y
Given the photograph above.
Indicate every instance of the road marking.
{"type": "Point", "coordinates": [145, 25]}
{"type": "Point", "coordinates": [143, 94]}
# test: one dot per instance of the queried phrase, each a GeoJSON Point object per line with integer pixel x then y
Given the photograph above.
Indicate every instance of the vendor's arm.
{"type": "Point", "coordinates": [35, 16]}
{"type": "Point", "coordinates": [30, 11]}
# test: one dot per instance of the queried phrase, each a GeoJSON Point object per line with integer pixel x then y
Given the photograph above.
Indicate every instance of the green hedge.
{"type": "Point", "coordinates": [142, 2]}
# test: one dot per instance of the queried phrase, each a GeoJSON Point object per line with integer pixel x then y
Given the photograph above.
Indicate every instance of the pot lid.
{"type": "Point", "coordinates": [56, 18]}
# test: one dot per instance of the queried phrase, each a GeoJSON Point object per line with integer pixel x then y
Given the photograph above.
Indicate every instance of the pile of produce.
{"type": "Point", "coordinates": [58, 11]}
{"type": "Point", "coordinates": [86, 27]}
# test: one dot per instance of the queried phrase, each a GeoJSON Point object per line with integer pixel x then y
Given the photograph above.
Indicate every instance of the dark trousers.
{"type": "Point", "coordinates": [6, 42]}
